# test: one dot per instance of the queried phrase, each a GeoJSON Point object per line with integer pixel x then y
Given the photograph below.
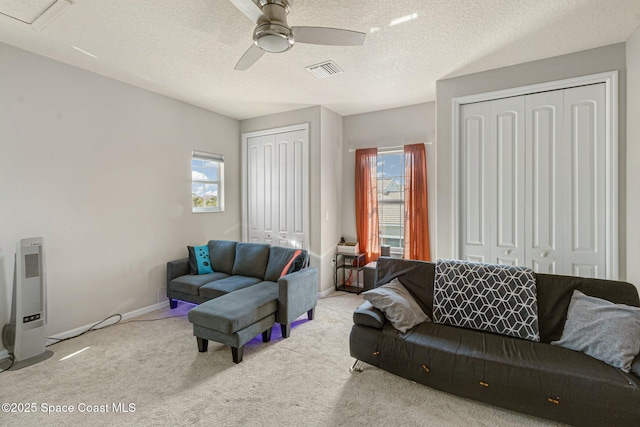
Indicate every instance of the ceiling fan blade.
{"type": "Point", "coordinates": [328, 36]}
{"type": "Point", "coordinates": [249, 58]}
{"type": "Point", "coordinates": [249, 8]}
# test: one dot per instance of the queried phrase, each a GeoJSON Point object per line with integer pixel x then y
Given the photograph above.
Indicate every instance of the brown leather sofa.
{"type": "Point", "coordinates": [536, 378]}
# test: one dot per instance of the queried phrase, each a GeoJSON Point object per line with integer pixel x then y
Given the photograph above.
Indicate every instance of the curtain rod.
{"type": "Point", "coordinates": [352, 150]}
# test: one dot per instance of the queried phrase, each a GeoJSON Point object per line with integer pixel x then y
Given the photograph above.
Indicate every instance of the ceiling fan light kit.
{"type": "Point", "coordinates": [273, 38]}
{"type": "Point", "coordinates": [274, 35]}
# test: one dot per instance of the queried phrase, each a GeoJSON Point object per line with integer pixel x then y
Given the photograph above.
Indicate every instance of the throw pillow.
{"type": "Point", "coordinates": [487, 297]}
{"type": "Point", "coordinates": [603, 330]}
{"type": "Point", "coordinates": [397, 304]}
{"type": "Point", "coordinates": [199, 260]}
{"type": "Point", "coordinates": [289, 267]}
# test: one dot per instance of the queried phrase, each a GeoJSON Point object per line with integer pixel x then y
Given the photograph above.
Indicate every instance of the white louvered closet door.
{"type": "Point", "coordinates": [533, 181]}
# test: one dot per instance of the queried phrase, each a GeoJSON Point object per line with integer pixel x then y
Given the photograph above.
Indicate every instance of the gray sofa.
{"type": "Point", "coordinates": [531, 377]}
{"type": "Point", "coordinates": [245, 294]}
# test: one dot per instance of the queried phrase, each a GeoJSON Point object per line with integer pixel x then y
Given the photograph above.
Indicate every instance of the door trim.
{"type": "Point", "coordinates": [245, 137]}
{"type": "Point", "coordinates": [610, 79]}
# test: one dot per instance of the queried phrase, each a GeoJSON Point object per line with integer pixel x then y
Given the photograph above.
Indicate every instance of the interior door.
{"type": "Point", "coordinates": [584, 215]}
{"type": "Point", "coordinates": [290, 184]}
{"type": "Point", "coordinates": [475, 199]}
{"type": "Point", "coordinates": [277, 182]}
{"type": "Point", "coordinates": [546, 173]}
{"type": "Point", "coordinates": [508, 180]}
{"type": "Point", "coordinates": [262, 213]}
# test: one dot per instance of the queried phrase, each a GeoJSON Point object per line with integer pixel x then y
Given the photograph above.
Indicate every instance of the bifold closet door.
{"type": "Point", "coordinates": [262, 197]}
{"type": "Point", "coordinates": [584, 191]}
{"type": "Point", "coordinates": [492, 181]}
{"type": "Point", "coordinates": [547, 174]}
{"type": "Point", "coordinates": [276, 180]}
{"type": "Point", "coordinates": [533, 180]}
{"type": "Point", "coordinates": [290, 179]}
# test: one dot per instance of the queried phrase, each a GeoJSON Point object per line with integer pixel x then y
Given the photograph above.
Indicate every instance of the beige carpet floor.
{"type": "Point", "coordinates": [301, 381]}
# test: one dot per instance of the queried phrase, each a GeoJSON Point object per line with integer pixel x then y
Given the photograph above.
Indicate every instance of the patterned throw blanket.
{"type": "Point", "coordinates": [488, 297]}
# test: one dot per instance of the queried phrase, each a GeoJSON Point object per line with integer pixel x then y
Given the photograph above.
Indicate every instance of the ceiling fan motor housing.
{"type": "Point", "coordinates": [274, 34]}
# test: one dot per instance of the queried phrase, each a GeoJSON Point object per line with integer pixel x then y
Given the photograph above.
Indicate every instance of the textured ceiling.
{"type": "Point", "coordinates": [186, 49]}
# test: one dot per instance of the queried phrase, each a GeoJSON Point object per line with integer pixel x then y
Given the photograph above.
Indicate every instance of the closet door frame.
{"type": "Point", "coordinates": [305, 176]}
{"type": "Point", "coordinates": [610, 79]}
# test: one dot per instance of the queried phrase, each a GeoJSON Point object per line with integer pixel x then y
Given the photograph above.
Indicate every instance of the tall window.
{"type": "Point", "coordinates": [207, 182]}
{"type": "Point", "coordinates": [391, 198]}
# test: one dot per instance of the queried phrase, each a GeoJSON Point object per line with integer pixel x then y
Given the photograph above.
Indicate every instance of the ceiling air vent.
{"type": "Point", "coordinates": [324, 70]}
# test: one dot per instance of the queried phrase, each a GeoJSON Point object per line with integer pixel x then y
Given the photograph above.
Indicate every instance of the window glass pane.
{"type": "Point", "coordinates": [391, 198]}
{"type": "Point", "coordinates": [211, 195]}
{"type": "Point", "coordinates": [210, 171]}
{"type": "Point", "coordinates": [197, 169]}
{"type": "Point", "coordinates": [197, 195]}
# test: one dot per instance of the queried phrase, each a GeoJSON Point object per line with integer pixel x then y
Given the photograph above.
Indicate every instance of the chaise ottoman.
{"type": "Point", "coordinates": [236, 318]}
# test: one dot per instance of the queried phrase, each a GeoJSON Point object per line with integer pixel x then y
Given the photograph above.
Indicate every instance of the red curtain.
{"type": "Point", "coordinates": [367, 203]}
{"type": "Point", "coordinates": [416, 216]}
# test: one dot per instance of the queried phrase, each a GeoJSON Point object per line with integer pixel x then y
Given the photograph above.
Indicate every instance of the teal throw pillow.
{"type": "Point", "coordinates": [199, 260]}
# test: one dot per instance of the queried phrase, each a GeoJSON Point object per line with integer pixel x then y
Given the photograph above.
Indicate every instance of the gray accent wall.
{"type": "Point", "coordinates": [583, 63]}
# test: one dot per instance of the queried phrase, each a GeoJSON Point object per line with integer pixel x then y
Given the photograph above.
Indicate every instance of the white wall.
{"type": "Point", "coordinates": [331, 192]}
{"type": "Point", "coordinates": [388, 128]}
{"type": "Point", "coordinates": [583, 63]}
{"type": "Point", "coordinates": [632, 158]}
{"type": "Point", "coordinates": [101, 170]}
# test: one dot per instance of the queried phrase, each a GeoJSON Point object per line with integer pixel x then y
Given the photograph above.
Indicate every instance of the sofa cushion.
{"type": "Point", "coordinates": [222, 254]}
{"type": "Point", "coordinates": [489, 297]}
{"type": "Point", "coordinates": [251, 259]}
{"type": "Point", "coordinates": [367, 315]}
{"type": "Point", "coordinates": [416, 276]}
{"type": "Point", "coordinates": [226, 285]}
{"type": "Point", "coordinates": [554, 294]}
{"type": "Point", "coordinates": [519, 374]}
{"type": "Point", "coordinates": [281, 258]}
{"type": "Point", "coordinates": [603, 330]}
{"type": "Point", "coordinates": [237, 310]}
{"type": "Point", "coordinates": [199, 261]}
{"type": "Point", "coordinates": [190, 283]}
{"type": "Point", "coordinates": [397, 304]}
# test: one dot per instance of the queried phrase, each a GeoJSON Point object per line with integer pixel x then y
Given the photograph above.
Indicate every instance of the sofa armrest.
{"type": "Point", "coordinates": [368, 315]}
{"type": "Point", "coordinates": [176, 268]}
{"type": "Point", "coordinates": [297, 294]}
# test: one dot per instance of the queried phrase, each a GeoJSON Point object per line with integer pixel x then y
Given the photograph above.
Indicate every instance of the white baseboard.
{"type": "Point", "coordinates": [325, 293]}
{"type": "Point", "coordinates": [73, 332]}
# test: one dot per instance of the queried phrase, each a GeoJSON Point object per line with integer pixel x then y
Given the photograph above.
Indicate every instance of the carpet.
{"type": "Point", "coordinates": [150, 373]}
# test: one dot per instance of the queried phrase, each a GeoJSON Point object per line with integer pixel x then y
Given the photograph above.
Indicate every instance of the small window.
{"type": "Point", "coordinates": [207, 182]}
{"type": "Point", "coordinates": [391, 199]}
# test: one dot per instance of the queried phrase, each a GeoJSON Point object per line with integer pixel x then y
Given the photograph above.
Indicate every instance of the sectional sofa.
{"type": "Point", "coordinates": [248, 288]}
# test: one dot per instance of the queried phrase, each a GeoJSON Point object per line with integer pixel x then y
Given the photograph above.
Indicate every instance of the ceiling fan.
{"type": "Point", "coordinates": [273, 34]}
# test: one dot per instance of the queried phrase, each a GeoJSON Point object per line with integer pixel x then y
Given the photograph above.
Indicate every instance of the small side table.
{"type": "Point", "coordinates": [348, 264]}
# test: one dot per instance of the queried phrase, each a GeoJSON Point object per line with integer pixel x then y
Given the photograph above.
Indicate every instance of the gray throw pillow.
{"type": "Point", "coordinates": [603, 330]}
{"type": "Point", "coordinates": [397, 304]}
